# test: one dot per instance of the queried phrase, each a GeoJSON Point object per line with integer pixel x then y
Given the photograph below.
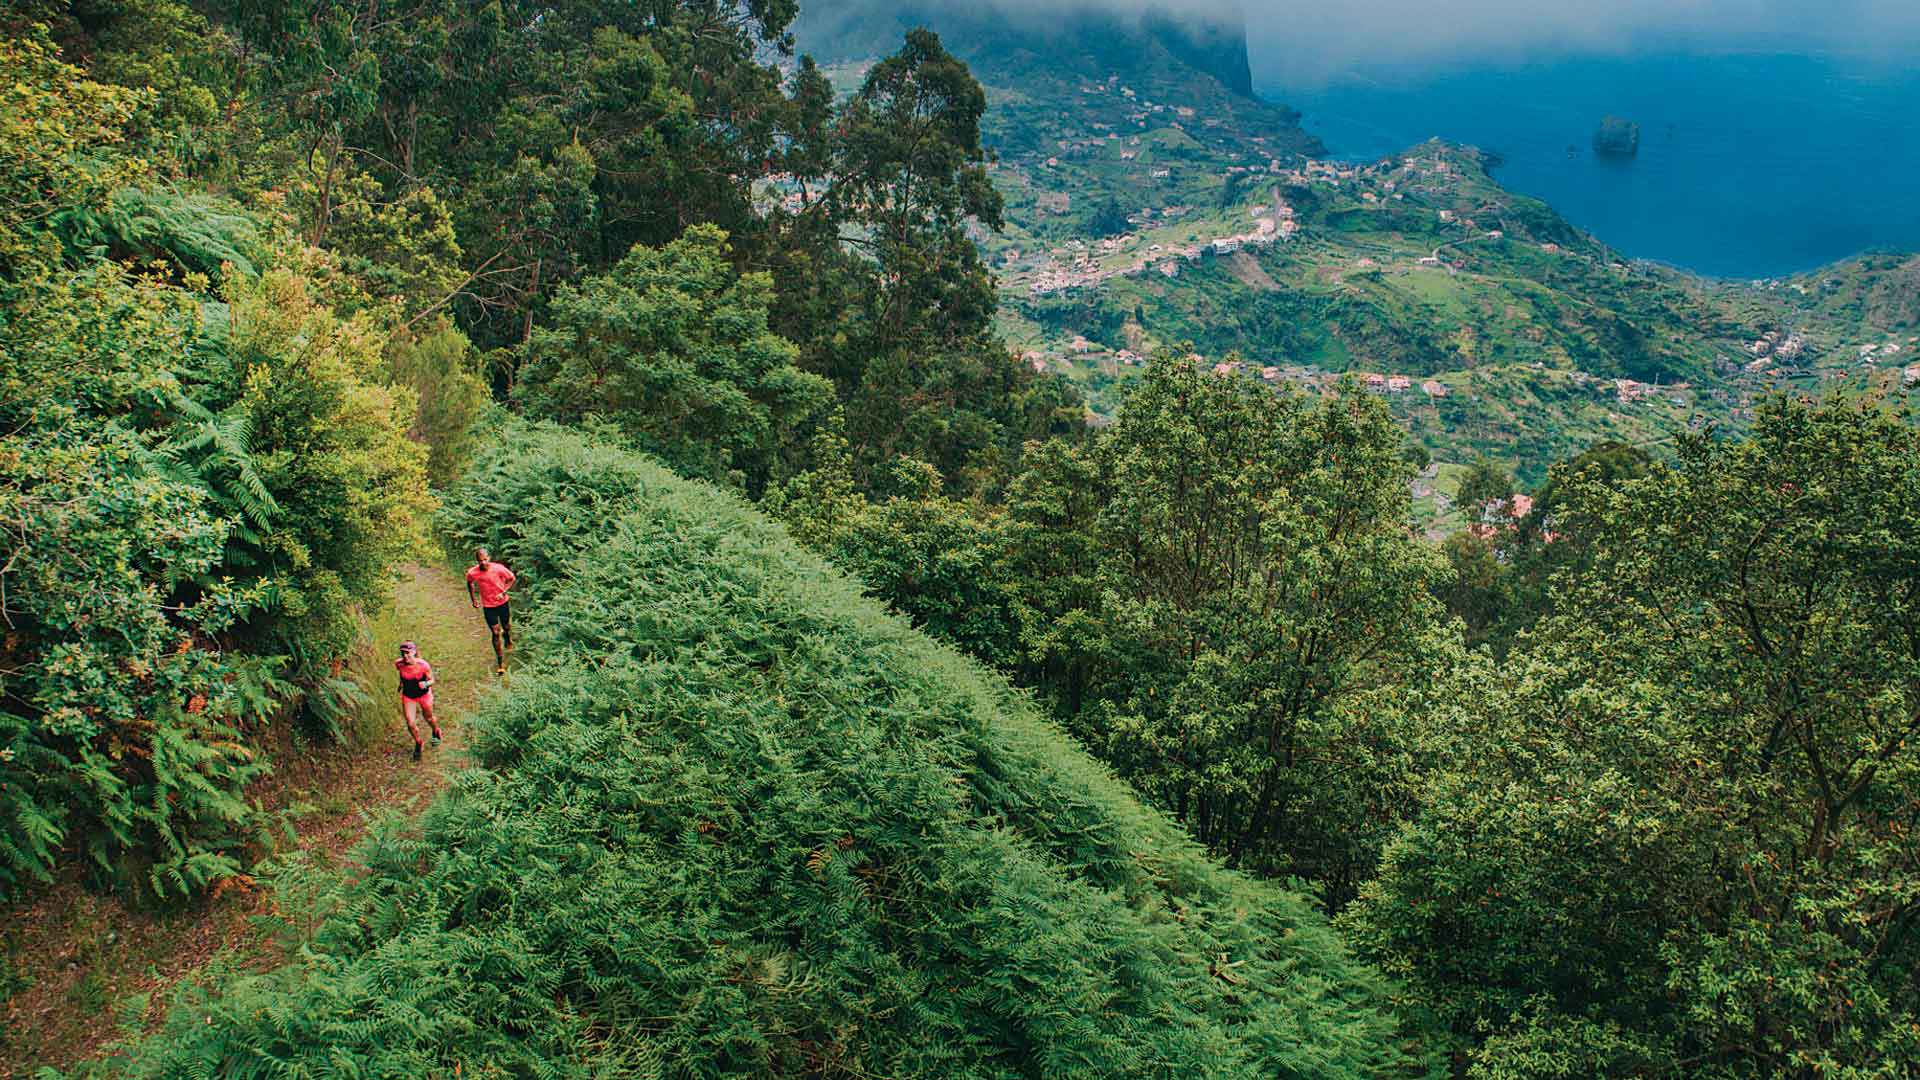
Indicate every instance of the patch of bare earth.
{"type": "Point", "coordinates": [80, 962]}
{"type": "Point", "coordinates": [1250, 273]}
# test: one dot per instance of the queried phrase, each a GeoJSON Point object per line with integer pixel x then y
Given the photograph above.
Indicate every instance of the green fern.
{"type": "Point", "coordinates": [737, 821]}
{"type": "Point", "coordinates": [198, 233]}
{"type": "Point", "coordinates": [215, 450]}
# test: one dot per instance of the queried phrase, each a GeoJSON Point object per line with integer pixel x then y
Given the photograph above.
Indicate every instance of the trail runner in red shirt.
{"type": "Point", "coordinates": [487, 585]}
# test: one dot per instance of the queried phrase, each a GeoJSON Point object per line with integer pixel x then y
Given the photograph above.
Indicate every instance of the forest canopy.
{"type": "Point", "coordinates": [884, 716]}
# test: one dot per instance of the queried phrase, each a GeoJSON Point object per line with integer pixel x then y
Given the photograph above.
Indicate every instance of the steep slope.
{"type": "Point", "coordinates": [740, 822]}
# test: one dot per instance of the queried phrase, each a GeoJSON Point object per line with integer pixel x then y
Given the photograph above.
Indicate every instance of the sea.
{"type": "Point", "coordinates": [1752, 164]}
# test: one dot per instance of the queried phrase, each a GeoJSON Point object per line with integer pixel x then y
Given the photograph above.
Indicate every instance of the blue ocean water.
{"type": "Point", "coordinates": [1751, 164]}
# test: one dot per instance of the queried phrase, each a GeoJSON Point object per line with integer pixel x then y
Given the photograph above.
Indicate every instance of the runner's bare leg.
{"type": "Point", "coordinates": [408, 710]}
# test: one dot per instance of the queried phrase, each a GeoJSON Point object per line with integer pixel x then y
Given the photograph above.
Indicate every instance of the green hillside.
{"type": "Point", "coordinates": [738, 821]}
{"type": "Point", "coordinates": [1126, 164]}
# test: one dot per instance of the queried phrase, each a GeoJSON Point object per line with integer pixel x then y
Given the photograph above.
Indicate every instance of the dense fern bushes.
{"type": "Point", "coordinates": [205, 477]}
{"type": "Point", "coordinates": [739, 822]}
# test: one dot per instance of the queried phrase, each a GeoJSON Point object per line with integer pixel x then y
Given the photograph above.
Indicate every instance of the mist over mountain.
{"type": "Point", "coordinates": [1000, 39]}
{"type": "Point", "coordinates": [1297, 42]}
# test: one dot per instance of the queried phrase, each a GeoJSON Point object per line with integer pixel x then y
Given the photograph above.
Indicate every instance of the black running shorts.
{"type": "Point", "coordinates": [499, 616]}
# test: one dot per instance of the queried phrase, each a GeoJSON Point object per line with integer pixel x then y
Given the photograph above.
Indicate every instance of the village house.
{"type": "Point", "coordinates": [1398, 384]}
{"type": "Point", "coordinates": [1632, 389]}
{"type": "Point", "coordinates": [1434, 388]}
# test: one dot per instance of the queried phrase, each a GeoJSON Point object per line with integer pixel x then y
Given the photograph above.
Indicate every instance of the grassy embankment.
{"type": "Point", "coordinates": [738, 820]}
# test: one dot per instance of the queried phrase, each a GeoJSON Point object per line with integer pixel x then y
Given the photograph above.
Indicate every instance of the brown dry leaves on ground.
{"type": "Point", "coordinates": [89, 958]}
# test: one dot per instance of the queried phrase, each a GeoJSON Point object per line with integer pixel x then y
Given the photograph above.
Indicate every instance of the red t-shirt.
{"type": "Point", "coordinates": [492, 582]}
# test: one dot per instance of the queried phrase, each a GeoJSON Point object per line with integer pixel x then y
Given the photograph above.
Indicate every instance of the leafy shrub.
{"type": "Point", "coordinates": [740, 822]}
{"type": "Point", "coordinates": [198, 492]}
{"type": "Point", "coordinates": [117, 730]}
{"type": "Point", "coordinates": [442, 371]}
{"type": "Point", "coordinates": [672, 346]}
{"type": "Point", "coordinates": [57, 132]}
{"type": "Point", "coordinates": [938, 560]}
{"type": "Point", "coordinates": [1676, 839]}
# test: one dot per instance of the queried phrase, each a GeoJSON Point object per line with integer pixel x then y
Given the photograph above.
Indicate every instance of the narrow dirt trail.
{"type": "Point", "coordinates": [86, 960]}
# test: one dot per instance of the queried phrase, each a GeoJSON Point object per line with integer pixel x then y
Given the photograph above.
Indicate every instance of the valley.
{"type": "Point", "coordinates": [1150, 207]}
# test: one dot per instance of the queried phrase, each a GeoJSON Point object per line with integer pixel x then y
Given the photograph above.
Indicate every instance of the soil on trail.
{"type": "Point", "coordinates": [78, 968]}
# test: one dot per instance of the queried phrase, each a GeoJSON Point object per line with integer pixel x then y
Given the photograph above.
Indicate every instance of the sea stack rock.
{"type": "Point", "coordinates": [1617, 138]}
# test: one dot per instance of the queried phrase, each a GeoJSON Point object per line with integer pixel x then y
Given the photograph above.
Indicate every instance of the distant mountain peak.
{"type": "Point", "coordinates": [1209, 36]}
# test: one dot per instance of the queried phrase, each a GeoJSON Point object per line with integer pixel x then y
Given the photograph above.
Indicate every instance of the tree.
{"type": "Point", "coordinates": [1502, 583]}
{"type": "Point", "coordinates": [1680, 839]}
{"type": "Point", "coordinates": [672, 345]}
{"type": "Point", "coordinates": [439, 369]}
{"type": "Point", "coordinates": [1265, 617]}
{"type": "Point", "coordinates": [1486, 485]}
{"type": "Point", "coordinates": [1110, 219]}
{"type": "Point", "coordinates": [561, 134]}
{"type": "Point", "coordinates": [912, 175]}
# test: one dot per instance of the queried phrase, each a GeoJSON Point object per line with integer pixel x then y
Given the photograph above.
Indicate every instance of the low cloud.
{"type": "Point", "coordinates": [1293, 41]}
{"type": "Point", "coordinates": [1310, 38]}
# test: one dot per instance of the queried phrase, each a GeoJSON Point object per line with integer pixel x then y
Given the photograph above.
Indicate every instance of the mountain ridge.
{"type": "Point", "coordinates": [997, 39]}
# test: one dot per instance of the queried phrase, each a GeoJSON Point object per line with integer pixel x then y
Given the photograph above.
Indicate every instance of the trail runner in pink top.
{"type": "Point", "coordinates": [416, 694]}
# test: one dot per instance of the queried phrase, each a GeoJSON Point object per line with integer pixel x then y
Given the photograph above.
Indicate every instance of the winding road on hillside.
{"type": "Point", "coordinates": [91, 959]}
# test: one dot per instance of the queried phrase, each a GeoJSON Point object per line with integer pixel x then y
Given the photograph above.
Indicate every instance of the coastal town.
{"type": "Point", "coordinates": [1143, 216]}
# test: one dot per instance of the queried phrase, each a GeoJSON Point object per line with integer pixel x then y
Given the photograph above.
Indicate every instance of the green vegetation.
{"type": "Point", "coordinates": [235, 343]}
{"type": "Point", "coordinates": [1616, 782]}
{"type": "Point", "coordinates": [1678, 838]}
{"type": "Point", "coordinates": [201, 482]}
{"type": "Point", "coordinates": [753, 825]}
{"type": "Point", "coordinates": [672, 345]}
